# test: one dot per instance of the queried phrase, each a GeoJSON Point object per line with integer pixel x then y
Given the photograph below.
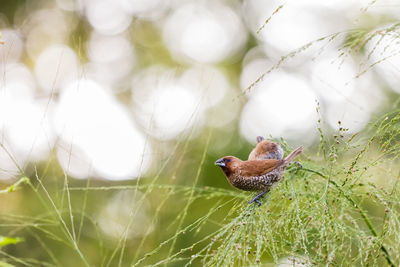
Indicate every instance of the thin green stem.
{"type": "Point", "coordinates": [15, 186]}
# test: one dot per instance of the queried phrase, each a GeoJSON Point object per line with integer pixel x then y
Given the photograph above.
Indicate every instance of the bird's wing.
{"type": "Point", "coordinates": [253, 168]}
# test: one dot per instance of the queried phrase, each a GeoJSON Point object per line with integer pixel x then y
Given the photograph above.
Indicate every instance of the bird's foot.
{"type": "Point", "coordinates": [255, 199]}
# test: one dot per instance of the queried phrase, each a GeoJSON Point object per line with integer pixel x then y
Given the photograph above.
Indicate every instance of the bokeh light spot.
{"type": "Point", "coordinates": [122, 216]}
{"type": "Point", "coordinates": [56, 66]}
{"type": "Point", "coordinates": [107, 17]}
{"type": "Point", "coordinates": [89, 117]}
{"type": "Point", "coordinates": [282, 105]}
{"type": "Point", "coordinates": [204, 33]}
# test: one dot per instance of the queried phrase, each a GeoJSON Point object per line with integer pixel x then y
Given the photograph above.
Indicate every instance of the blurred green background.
{"type": "Point", "coordinates": [117, 110]}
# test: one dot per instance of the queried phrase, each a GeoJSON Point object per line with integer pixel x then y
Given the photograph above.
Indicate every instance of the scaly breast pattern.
{"type": "Point", "coordinates": [256, 183]}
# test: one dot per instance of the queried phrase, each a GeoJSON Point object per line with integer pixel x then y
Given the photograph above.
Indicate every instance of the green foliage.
{"type": "Point", "coordinates": [4, 240]}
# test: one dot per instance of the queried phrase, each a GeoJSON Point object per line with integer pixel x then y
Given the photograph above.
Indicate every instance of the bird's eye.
{"type": "Point", "coordinates": [227, 160]}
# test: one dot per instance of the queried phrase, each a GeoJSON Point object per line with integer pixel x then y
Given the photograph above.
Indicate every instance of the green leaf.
{"type": "Point", "coordinates": [4, 240]}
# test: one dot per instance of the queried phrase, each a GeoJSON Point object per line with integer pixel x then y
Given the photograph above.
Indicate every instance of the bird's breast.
{"type": "Point", "coordinates": [255, 183]}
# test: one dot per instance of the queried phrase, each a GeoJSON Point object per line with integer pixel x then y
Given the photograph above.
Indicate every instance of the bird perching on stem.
{"type": "Point", "coordinates": [255, 175]}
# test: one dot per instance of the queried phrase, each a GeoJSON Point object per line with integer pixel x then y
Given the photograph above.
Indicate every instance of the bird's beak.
{"type": "Point", "coordinates": [220, 163]}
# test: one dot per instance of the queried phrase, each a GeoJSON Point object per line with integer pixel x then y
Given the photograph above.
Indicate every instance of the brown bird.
{"type": "Point", "coordinates": [255, 175]}
{"type": "Point", "coordinates": [266, 149]}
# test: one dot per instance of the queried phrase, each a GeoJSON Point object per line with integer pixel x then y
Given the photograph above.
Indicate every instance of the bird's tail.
{"type": "Point", "coordinates": [292, 155]}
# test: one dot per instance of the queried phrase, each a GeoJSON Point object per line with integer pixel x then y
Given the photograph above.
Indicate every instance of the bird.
{"type": "Point", "coordinates": [255, 175]}
{"type": "Point", "coordinates": [266, 149]}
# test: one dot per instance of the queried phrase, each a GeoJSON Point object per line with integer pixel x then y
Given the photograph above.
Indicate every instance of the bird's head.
{"type": "Point", "coordinates": [228, 164]}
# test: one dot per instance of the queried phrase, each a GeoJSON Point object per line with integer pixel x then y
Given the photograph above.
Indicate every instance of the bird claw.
{"type": "Point", "coordinates": [255, 199]}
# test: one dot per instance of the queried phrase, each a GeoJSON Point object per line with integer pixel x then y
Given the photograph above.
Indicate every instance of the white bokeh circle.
{"type": "Point", "coordinates": [89, 118]}
{"type": "Point", "coordinates": [168, 103]}
{"type": "Point", "coordinates": [282, 105]}
{"type": "Point", "coordinates": [205, 33]}
{"type": "Point", "coordinates": [56, 66]}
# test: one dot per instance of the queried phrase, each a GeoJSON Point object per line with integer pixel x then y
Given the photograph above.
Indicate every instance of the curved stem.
{"type": "Point", "coordinates": [363, 214]}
